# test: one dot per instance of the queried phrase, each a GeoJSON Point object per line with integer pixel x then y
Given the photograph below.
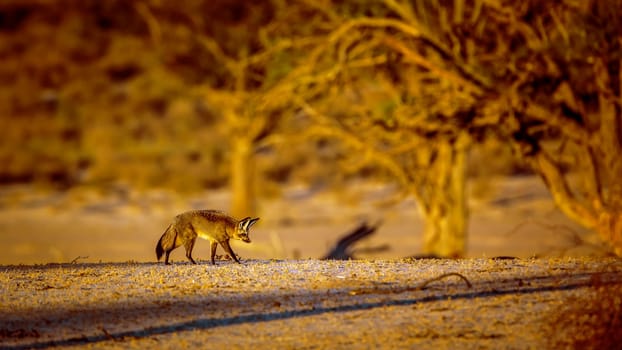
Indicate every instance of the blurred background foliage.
{"type": "Point", "coordinates": [96, 92]}
{"type": "Point", "coordinates": [252, 95]}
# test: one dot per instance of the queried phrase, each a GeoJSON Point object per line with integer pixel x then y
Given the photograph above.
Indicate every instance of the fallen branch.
{"type": "Point", "coordinates": [343, 248]}
{"type": "Point", "coordinates": [75, 261]}
{"type": "Point", "coordinates": [426, 282]}
{"type": "Point", "coordinates": [421, 286]}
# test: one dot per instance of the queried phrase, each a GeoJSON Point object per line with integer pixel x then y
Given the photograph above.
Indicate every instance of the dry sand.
{"type": "Point", "coordinates": [517, 219]}
{"type": "Point", "coordinates": [295, 304]}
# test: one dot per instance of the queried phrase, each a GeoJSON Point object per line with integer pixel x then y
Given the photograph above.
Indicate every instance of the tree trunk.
{"type": "Point", "coordinates": [595, 202]}
{"type": "Point", "coordinates": [242, 177]}
{"type": "Point", "coordinates": [605, 220]}
{"type": "Point", "coordinates": [446, 212]}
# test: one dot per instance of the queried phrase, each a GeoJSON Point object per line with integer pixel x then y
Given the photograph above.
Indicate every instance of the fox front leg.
{"type": "Point", "coordinates": [213, 246]}
{"type": "Point", "coordinates": [189, 246]}
{"type": "Point", "coordinates": [225, 244]}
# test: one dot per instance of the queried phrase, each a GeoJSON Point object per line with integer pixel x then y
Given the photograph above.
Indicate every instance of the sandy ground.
{"type": "Point", "coordinates": [297, 304]}
{"type": "Point", "coordinates": [517, 218]}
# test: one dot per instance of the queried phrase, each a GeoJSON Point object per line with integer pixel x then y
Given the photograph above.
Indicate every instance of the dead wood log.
{"type": "Point", "coordinates": [343, 249]}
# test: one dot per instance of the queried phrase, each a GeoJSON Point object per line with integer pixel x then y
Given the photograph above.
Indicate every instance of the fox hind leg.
{"type": "Point", "coordinates": [225, 244]}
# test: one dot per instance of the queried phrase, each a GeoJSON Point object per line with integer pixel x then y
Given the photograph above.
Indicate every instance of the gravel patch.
{"type": "Point", "coordinates": [294, 304]}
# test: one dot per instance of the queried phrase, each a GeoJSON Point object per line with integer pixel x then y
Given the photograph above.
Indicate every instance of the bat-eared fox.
{"type": "Point", "coordinates": [212, 225]}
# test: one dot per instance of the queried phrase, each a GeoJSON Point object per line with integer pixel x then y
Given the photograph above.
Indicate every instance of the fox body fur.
{"type": "Point", "coordinates": [214, 226]}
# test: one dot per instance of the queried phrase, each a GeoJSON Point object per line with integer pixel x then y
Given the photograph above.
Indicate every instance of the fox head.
{"type": "Point", "coordinates": [244, 225]}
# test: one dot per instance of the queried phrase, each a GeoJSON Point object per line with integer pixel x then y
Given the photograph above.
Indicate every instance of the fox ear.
{"type": "Point", "coordinates": [244, 222]}
{"type": "Point", "coordinates": [252, 222]}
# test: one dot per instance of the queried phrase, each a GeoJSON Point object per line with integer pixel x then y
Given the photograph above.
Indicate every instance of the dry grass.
{"type": "Point", "coordinates": [592, 320]}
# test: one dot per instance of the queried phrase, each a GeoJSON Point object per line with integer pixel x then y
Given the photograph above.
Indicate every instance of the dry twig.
{"type": "Point", "coordinates": [421, 286]}
{"type": "Point", "coordinates": [75, 261]}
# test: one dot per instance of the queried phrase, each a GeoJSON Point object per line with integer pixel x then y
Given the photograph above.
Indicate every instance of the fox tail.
{"type": "Point", "coordinates": [166, 242]}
